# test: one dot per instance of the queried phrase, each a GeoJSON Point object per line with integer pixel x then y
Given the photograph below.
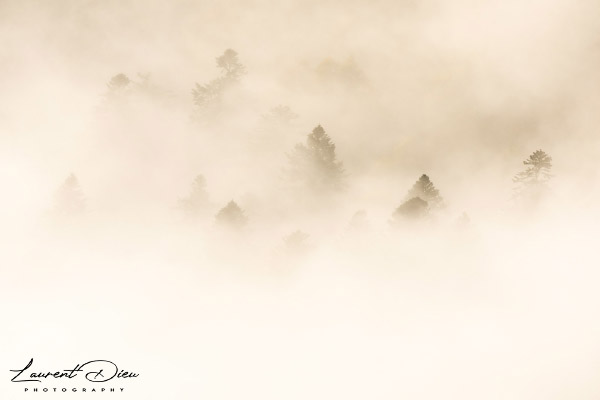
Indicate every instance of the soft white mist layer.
{"type": "Point", "coordinates": [501, 307]}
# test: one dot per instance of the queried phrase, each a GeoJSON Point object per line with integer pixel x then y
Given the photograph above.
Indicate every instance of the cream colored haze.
{"type": "Point", "coordinates": [503, 306]}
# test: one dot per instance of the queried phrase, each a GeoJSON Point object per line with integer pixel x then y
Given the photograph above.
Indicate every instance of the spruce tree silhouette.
{"type": "Point", "coordinates": [538, 170]}
{"type": "Point", "coordinates": [531, 184]}
{"type": "Point", "coordinates": [425, 190]}
{"type": "Point", "coordinates": [314, 165]}
{"type": "Point", "coordinates": [231, 216]}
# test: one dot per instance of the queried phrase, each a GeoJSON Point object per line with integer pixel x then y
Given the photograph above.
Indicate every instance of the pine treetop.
{"type": "Point", "coordinates": [320, 144]}
{"type": "Point", "coordinates": [425, 190]}
{"type": "Point", "coordinates": [538, 171]}
{"type": "Point", "coordinates": [315, 162]}
{"type": "Point", "coordinates": [231, 215]}
{"type": "Point", "coordinates": [231, 70]}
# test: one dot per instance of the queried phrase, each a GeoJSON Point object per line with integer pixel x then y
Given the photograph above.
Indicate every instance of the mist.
{"type": "Point", "coordinates": [302, 199]}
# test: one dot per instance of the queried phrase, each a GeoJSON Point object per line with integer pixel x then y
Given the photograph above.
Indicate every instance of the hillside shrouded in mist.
{"type": "Point", "coordinates": [303, 199]}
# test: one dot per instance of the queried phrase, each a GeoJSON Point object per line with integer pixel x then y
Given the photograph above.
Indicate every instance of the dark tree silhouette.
{"type": "Point", "coordinates": [532, 182]}
{"type": "Point", "coordinates": [197, 202]}
{"type": "Point", "coordinates": [69, 198]}
{"type": "Point", "coordinates": [424, 189]}
{"type": "Point", "coordinates": [315, 165]}
{"type": "Point", "coordinates": [231, 216]}
{"type": "Point", "coordinates": [412, 209]}
{"type": "Point", "coordinates": [231, 71]}
{"type": "Point", "coordinates": [538, 171]}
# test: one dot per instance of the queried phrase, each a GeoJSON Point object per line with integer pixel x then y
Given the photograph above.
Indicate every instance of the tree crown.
{"type": "Point", "coordinates": [316, 163]}
{"type": "Point", "coordinates": [231, 216]}
{"type": "Point", "coordinates": [425, 190]}
{"type": "Point", "coordinates": [538, 171]}
{"type": "Point", "coordinates": [230, 64]}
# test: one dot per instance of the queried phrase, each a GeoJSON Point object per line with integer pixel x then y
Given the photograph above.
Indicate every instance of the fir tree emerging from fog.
{"type": "Point", "coordinates": [69, 198]}
{"type": "Point", "coordinates": [425, 190]}
{"type": "Point", "coordinates": [231, 216]}
{"type": "Point", "coordinates": [538, 171]}
{"type": "Point", "coordinates": [315, 164]}
{"type": "Point", "coordinates": [532, 182]}
{"type": "Point", "coordinates": [231, 71]}
{"type": "Point", "coordinates": [197, 202]}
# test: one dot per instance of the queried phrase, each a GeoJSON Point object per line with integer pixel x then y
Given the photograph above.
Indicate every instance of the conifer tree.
{"type": "Point", "coordinates": [532, 182]}
{"type": "Point", "coordinates": [314, 165]}
{"type": "Point", "coordinates": [538, 171]}
{"type": "Point", "coordinates": [231, 216]}
{"type": "Point", "coordinates": [231, 71]}
{"type": "Point", "coordinates": [425, 190]}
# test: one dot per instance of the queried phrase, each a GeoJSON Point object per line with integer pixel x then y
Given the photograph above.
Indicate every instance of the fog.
{"type": "Point", "coordinates": [158, 211]}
